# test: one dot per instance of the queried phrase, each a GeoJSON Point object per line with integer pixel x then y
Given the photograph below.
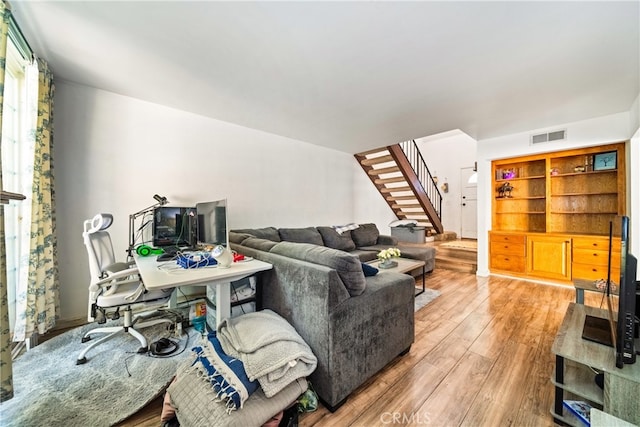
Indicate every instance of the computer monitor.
{"type": "Point", "coordinates": [174, 226]}
{"type": "Point", "coordinates": [212, 223]}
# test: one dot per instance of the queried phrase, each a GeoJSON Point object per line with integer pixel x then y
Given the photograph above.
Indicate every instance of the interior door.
{"type": "Point", "coordinates": [468, 203]}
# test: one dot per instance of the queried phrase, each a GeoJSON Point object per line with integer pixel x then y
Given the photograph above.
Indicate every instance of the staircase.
{"type": "Point", "coordinates": [457, 255]}
{"type": "Point", "coordinates": [403, 179]}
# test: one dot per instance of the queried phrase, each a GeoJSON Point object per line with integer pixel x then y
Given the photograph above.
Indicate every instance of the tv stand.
{"type": "Point", "coordinates": [574, 377]}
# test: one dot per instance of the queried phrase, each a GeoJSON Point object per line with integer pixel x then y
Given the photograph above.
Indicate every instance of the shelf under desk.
{"type": "Point", "coordinates": [165, 275]}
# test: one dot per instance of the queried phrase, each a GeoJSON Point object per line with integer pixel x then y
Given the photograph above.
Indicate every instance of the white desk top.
{"type": "Point", "coordinates": [168, 274]}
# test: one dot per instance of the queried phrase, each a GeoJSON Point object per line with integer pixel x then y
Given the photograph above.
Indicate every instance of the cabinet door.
{"type": "Point", "coordinates": [549, 257]}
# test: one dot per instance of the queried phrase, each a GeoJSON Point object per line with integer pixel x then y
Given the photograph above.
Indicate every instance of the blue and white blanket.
{"type": "Point", "coordinates": [226, 374]}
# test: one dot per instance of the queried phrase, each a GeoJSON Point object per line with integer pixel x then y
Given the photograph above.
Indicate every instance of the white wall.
{"type": "Point", "coordinates": [597, 131]}
{"type": "Point", "coordinates": [113, 153]}
{"type": "Point", "coordinates": [445, 156]}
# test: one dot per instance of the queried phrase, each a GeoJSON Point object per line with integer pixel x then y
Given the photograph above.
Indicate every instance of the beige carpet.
{"type": "Point", "coordinates": [461, 244]}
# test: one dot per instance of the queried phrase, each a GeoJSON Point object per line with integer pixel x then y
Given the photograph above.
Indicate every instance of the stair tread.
{"type": "Point", "coordinates": [456, 261]}
{"type": "Point", "coordinates": [390, 180]}
{"type": "Point", "coordinates": [382, 171]}
{"type": "Point", "coordinates": [394, 189]}
{"type": "Point", "coordinates": [395, 198]}
{"type": "Point", "coordinates": [376, 160]}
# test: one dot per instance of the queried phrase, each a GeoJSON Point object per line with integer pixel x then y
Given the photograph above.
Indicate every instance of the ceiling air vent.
{"type": "Point", "coordinates": [557, 135]}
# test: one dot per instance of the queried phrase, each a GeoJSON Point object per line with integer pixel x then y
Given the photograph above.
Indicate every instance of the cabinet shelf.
{"type": "Point", "coordinates": [570, 174]}
{"type": "Point", "coordinates": [579, 380]}
{"type": "Point", "coordinates": [521, 213]}
{"type": "Point", "coordinates": [604, 193]}
{"type": "Point", "coordinates": [499, 199]}
{"type": "Point", "coordinates": [520, 178]}
{"type": "Point", "coordinates": [583, 213]}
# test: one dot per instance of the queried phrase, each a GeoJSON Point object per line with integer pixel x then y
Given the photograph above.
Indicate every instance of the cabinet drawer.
{"type": "Point", "coordinates": [597, 243]}
{"type": "Point", "coordinates": [595, 257]}
{"type": "Point", "coordinates": [594, 272]}
{"type": "Point", "coordinates": [509, 238]}
{"type": "Point", "coordinates": [508, 262]}
{"type": "Point", "coordinates": [508, 248]}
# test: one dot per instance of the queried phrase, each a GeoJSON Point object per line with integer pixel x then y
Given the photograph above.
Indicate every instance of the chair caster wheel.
{"type": "Point", "coordinates": [85, 339]}
{"type": "Point", "coordinates": [142, 350]}
{"type": "Point", "coordinates": [81, 361]}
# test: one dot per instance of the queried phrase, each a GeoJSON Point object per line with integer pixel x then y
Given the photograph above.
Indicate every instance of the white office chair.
{"type": "Point", "coordinates": [115, 285]}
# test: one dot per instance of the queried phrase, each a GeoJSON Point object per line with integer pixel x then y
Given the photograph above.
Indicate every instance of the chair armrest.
{"type": "Point", "coordinates": [119, 266]}
{"type": "Point", "coordinates": [112, 281]}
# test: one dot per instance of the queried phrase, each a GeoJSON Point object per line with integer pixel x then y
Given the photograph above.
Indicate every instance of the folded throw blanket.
{"type": "Point", "coordinates": [226, 374]}
{"type": "Point", "coordinates": [270, 348]}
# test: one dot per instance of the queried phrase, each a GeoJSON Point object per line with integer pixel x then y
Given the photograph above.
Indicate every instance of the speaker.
{"type": "Point", "coordinates": [145, 250]}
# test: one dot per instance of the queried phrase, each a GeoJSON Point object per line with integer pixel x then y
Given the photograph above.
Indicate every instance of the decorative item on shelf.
{"type": "Point", "coordinates": [505, 190]}
{"type": "Point", "coordinates": [554, 171]}
{"type": "Point", "coordinates": [605, 161]}
{"type": "Point", "coordinates": [509, 174]}
{"type": "Point", "coordinates": [579, 168]}
{"type": "Point", "coordinates": [386, 257]}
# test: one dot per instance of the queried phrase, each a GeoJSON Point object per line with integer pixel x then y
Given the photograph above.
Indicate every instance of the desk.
{"type": "Point", "coordinates": [162, 275]}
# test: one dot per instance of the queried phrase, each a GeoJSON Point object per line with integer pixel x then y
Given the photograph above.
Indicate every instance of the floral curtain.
{"type": "Point", "coordinates": [6, 372]}
{"type": "Point", "coordinates": [37, 300]}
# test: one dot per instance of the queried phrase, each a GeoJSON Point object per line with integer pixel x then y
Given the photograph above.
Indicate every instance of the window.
{"type": "Point", "coordinates": [15, 167]}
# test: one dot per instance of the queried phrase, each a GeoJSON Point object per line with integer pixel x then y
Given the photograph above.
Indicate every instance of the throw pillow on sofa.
{"type": "Point", "coordinates": [365, 235]}
{"type": "Point", "coordinates": [347, 266]}
{"type": "Point", "coordinates": [335, 240]}
{"type": "Point", "coordinates": [301, 235]}
{"type": "Point", "coordinates": [259, 244]}
{"type": "Point", "coordinates": [269, 233]}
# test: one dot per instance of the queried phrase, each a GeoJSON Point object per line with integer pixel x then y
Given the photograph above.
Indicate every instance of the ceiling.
{"type": "Point", "coordinates": [352, 75]}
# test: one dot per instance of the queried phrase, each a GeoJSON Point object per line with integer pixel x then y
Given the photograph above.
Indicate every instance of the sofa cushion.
{"type": "Point", "coordinates": [259, 244]}
{"type": "Point", "coordinates": [269, 233]}
{"type": "Point", "coordinates": [365, 235]}
{"type": "Point", "coordinates": [301, 235]}
{"type": "Point", "coordinates": [238, 237]}
{"type": "Point", "coordinates": [347, 266]}
{"type": "Point", "coordinates": [335, 240]}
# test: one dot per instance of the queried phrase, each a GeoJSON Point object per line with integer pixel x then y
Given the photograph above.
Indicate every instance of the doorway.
{"type": "Point", "coordinates": [468, 203]}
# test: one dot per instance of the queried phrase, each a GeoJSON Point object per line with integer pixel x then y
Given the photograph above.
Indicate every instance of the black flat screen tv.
{"type": "Point", "coordinates": [622, 331]}
{"type": "Point", "coordinates": [627, 307]}
{"type": "Point", "coordinates": [174, 226]}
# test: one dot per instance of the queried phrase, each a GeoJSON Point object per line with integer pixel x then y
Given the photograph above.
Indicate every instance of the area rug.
{"type": "Point", "coordinates": [425, 298]}
{"type": "Point", "coordinates": [116, 382]}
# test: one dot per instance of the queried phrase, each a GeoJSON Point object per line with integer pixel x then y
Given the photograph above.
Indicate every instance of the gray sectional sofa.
{"type": "Point", "coordinates": [355, 324]}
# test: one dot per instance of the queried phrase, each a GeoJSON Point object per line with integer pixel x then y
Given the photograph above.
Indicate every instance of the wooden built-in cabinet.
{"type": "Point", "coordinates": [551, 213]}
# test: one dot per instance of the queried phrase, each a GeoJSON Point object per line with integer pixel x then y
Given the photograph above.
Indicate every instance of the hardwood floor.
{"type": "Point", "coordinates": [481, 357]}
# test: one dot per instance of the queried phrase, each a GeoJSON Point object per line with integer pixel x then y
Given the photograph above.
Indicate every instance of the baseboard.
{"type": "Point", "coordinates": [70, 323]}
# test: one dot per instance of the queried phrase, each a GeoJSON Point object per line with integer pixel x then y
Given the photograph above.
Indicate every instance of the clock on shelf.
{"type": "Point", "coordinates": [605, 161]}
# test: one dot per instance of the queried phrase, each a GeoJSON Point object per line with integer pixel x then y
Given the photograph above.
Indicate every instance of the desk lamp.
{"type": "Point", "coordinates": [161, 201]}
{"type": "Point", "coordinates": [223, 256]}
